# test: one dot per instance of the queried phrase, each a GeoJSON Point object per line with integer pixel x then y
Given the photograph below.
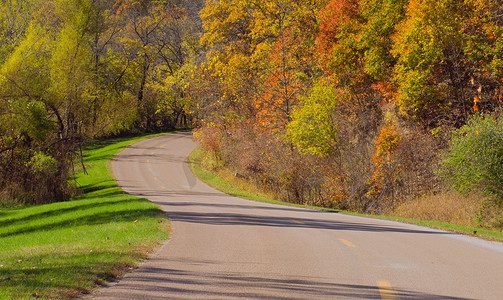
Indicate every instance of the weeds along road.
{"type": "Point", "coordinates": [226, 247]}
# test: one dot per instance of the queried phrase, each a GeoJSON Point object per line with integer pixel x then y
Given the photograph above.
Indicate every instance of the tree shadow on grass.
{"type": "Point", "coordinates": [98, 157]}
{"type": "Point", "coordinates": [94, 187]}
{"type": "Point", "coordinates": [102, 217]}
{"type": "Point", "coordinates": [98, 144]}
{"type": "Point", "coordinates": [39, 275]}
{"type": "Point", "coordinates": [105, 191]}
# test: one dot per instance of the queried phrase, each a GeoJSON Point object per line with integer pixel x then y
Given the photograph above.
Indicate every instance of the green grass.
{"type": "Point", "coordinates": [484, 233]}
{"type": "Point", "coordinates": [242, 190]}
{"type": "Point", "coordinates": [64, 249]}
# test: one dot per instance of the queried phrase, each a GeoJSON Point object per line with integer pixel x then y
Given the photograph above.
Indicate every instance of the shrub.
{"type": "Point", "coordinates": [210, 138]}
{"type": "Point", "coordinates": [474, 158]}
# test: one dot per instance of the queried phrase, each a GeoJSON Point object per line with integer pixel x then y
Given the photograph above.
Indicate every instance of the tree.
{"type": "Point", "coordinates": [260, 50]}
{"type": "Point", "coordinates": [474, 158]}
{"type": "Point", "coordinates": [290, 66]}
{"type": "Point", "coordinates": [441, 70]}
{"type": "Point", "coordinates": [381, 20]}
{"type": "Point", "coordinates": [42, 83]}
{"type": "Point", "coordinates": [314, 125]}
{"type": "Point", "coordinates": [156, 42]}
{"type": "Point", "coordinates": [15, 17]}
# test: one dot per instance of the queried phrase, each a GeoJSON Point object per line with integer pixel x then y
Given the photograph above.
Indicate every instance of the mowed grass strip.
{"type": "Point", "coordinates": [66, 249]}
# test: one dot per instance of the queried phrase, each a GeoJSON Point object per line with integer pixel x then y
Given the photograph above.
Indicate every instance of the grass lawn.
{"type": "Point", "coordinates": [65, 249]}
{"type": "Point", "coordinates": [239, 188]}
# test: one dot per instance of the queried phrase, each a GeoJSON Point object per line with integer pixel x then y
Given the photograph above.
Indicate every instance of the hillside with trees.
{"type": "Point", "coordinates": [364, 105]}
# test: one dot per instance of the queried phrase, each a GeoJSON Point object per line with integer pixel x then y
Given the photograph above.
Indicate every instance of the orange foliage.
{"type": "Point", "coordinates": [282, 86]}
{"type": "Point", "coordinates": [384, 159]}
{"type": "Point", "coordinates": [335, 14]}
{"type": "Point", "coordinates": [331, 17]}
{"type": "Point", "coordinates": [386, 89]}
{"type": "Point", "coordinates": [334, 184]}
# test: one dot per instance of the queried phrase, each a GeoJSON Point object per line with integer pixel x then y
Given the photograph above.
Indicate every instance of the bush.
{"type": "Point", "coordinates": [474, 158]}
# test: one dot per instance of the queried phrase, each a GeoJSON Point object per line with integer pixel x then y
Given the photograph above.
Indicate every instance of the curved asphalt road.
{"type": "Point", "coordinates": [226, 247]}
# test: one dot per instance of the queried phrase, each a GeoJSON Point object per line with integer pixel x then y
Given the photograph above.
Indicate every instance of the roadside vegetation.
{"type": "Point", "coordinates": [66, 249]}
{"type": "Point", "coordinates": [455, 214]}
{"type": "Point", "coordinates": [73, 72]}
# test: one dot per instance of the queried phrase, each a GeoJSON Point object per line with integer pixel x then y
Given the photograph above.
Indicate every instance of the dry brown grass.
{"type": "Point", "coordinates": [448, 207]}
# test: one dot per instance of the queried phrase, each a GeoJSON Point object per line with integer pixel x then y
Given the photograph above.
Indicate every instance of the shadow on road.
{"type": "Point", "coordinates": [320, 220]}
{"type": "Point", "coordinates": [183, 284]}
{"type": "Point", "coordinates": [258, 220]}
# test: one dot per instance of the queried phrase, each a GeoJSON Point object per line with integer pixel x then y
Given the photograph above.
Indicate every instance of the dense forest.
{"type": "Point", "coordinates": [364, 105]}
{"type": "Point", "coordinates": [356, 104]}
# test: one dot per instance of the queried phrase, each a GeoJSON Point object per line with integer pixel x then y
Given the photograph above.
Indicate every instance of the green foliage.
{"type": "Point", "coordinates": [431, 26]}
{"type": "Point", "coordinates": [156, 40]}
{"type": "Point", "coordinates": [25, 72]}
{"type": "Point", "coordinates": [382, 18]}
{"type": "Point", "coordinates": [447, 58]}
{"type": "Point", "coordinates": [474, 159]}
{"type": "Point", "coordinates": [42, 163]}
{"type": "Point", "coordinates": [29, 118]}
{"type": "Point", "coordinates": [313, 127]}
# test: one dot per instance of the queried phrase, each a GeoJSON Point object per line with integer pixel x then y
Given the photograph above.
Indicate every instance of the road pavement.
{"type": "Point", "coordinates": [223, 247]}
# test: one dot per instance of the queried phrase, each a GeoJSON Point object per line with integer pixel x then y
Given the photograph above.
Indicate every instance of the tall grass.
{"type": "Point", "coordinates": [450, 207]}
{"type": "Point", "coordinates": [66, 249]}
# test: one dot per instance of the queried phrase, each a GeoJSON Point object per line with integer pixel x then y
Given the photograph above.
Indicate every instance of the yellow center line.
{"type": "Point", "coordinates": [152, 153]}
{"type": "Point", "coordinates": [387, 292]}
{"type": "Point", "coordinates": [163, 187]}
{"type": "Point", "coordinates": [156, 179]}
{"type": "Point", "coordinates": [347, 243]}
{"type": "Point", "coordinates": [297, 221]}
{"type": "Point", "coordinates": [148, 160]}
{"type": "Point", "coordinates": [162, 146]}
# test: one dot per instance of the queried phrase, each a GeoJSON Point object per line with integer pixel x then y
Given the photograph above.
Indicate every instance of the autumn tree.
{"type": "Point", "coordinates": [262, 53]}
{"type": "Point", "coordinates": [290, 67]}
{"type": "Point", "coordinates": [259, 63]}
{"type": "Point", "coordinates": [441, 71]}
{"type": "Point", "coordinates": [156, 41]}
{"type": "Point", "coordinates": [44, 84]}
